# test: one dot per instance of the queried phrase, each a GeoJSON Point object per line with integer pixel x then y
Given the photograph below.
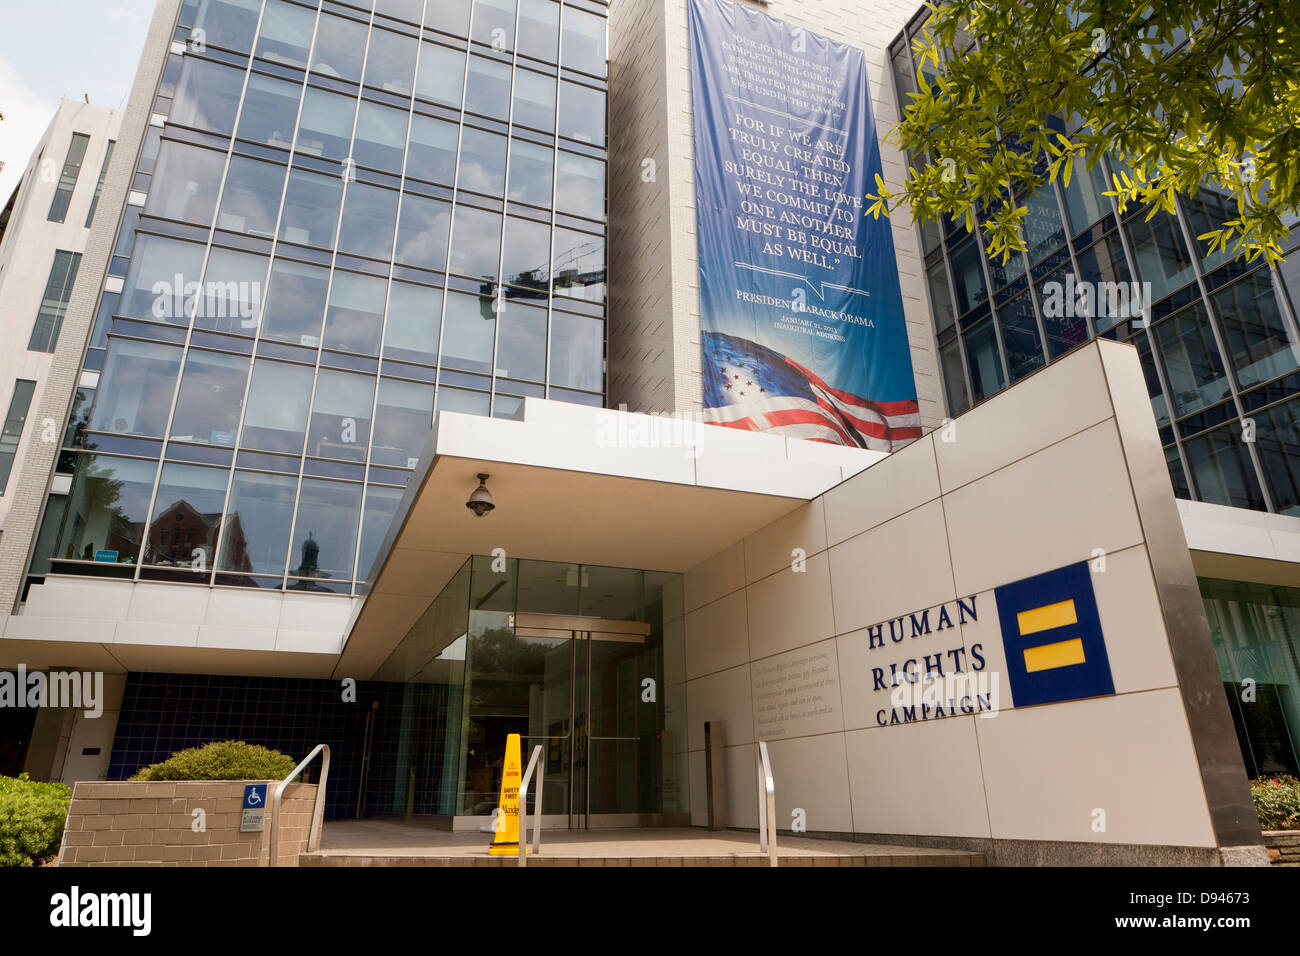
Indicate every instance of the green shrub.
{"type": "Point", "coordinates": [222, 760]}
{"type": "Point", "coordinates": [1277, 801]}
{"type": "Point", "coordinates": [31, 820]}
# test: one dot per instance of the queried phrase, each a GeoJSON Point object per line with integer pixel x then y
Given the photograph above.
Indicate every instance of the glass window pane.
{"type": "Point", "coordinates": [277, 407]}
{"type": "Point", "coordinates": [983, 361]}
{"type": "Point", "coordinates": [482, 162]}
{"type": "Point", "coordinates": [380, 508]}
{"type": "Point", "coordinates": [390, 64]}
{"type": "Point", "coordinates": [968, 274]}
{"type": "Point", "coordinates": [1160, 254]}
{"type": "Point", "coordinates": [1279, 453]}
{"type": "Point", "coordinates": [577, 352]}
{"type": "Point", "coordinates": [1254, 330]}
{"type": "Point", "coordinates": [1085, 204]}
{"type": "Point", "coordinates": [311, 209]}
{"type": "Point", "coordinates": [539, 29]}
{"type": "Point", "coordinates": [232, 292]}
{"type": "Point", "coordinates": [578, 269]}
{"type": "Point", "coordinates": [1020, 337]}
{"type": "Point", "coordinates": [340, 416]}
{"type": "Point", "coordinates": [207, 96]}
{"type": "Point", "coordinates": [468, 331]}
{"type": "Point", "coordinates": [1044, 233]}
{"type": "Point", "coordinates": [211, 396]}
{"type": "Point", "coordinates": [270, 111]}
{"type": "Point", "coordinates": [135, 393]}
{"type": "Point", "coordinates": [1109, 295]}
{"type": "Point", "coordinates": [326, 125]}
{"type": "Point", "coordinates": [494, 23]}
{"type": "Point", "coordinates": [527, 254]}
{"type": "Point", "coordinates": [1176, 474]}
{"type": "Point", "coordinates": [106, 510]}
{"type": "Point", "coordinates": [1191, 361]}
{"type": "Point", "coordinates": [356, 313]}
{"type": "Point", "coordinates": [149, 291]}
{"type": "Point", "coordinates": [1208, 211]}
{"type": "Point", "coordinates": [408, 10]}
{"type": "Point", "coordinates": [422, 232]}
{"type": "Point", "coordinates": [441, 76]}
{"type": "Point", "coordinates": [954, 381]}
{"type": "Point", "coordinates": [464, 401]}
{"type": "Point", "coordinates": [534, 101]}
{"type": "Point", "coordinates": [1222, 470]}
{"type": "Point", "coordinates": [228, 23]}
{"type": "Point", "coordinates": [1065, 319]}
{"type": "Point", "coordinates": [340, 48]}
{"type": "Point", "coordinates": [1158, 403]}
{"type": "Point", "coordinates": [431, 155]}
{"type": "Point", "coordinates": [487, 88]}
{"type": "Point", "coordinates": [414, 323]}
{"type": "Point", "coordinates": [286, 33]}
{"type": "Point", "coordinates": [403, 418]}
{"type": "Point", "coordinates": [257, 523]}
{"type": "Point", "coordinates": [940, 296]}
{"type": "Point", "coordinates": [186, 518]}
{"type": "Point", "coordinates": [126, 231]}
{"type": "Point", "coordinates": [1004, 273]}
{"type": "Point", "coordinates": [450, 16]}
{"type": "Point", "coordinates": [476, 243]}
{"type": "Point", "coordinates": [531, 169]}
{"type": "Point", "coordinates": [381, 136]}
{"type": "Point", "coordinates": [325, 532]}
{"type": "Point", "coordinates": [582, 114]}
{"type": "Point", "coordinates": [252, 197]}
{"type": "Point", "coordinates": [369, 218]}
{"type": "Point", "coordinates": [583, 46]}
{"type": "Point", "coordinates": [186, 184]}
{"type": "Point", "coordinates": [295, 305]}
{"type": "Point", "coordinates": [521, 352]}
{"type": "Point", "coordinates": [580, 186]}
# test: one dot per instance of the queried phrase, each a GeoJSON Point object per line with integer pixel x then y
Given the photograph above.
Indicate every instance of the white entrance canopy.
{"type": "Point", "coordinates": [580, 485]}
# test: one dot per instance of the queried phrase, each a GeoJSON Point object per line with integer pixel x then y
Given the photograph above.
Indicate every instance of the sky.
{"type": "Point", "coordinates": [55, 48]}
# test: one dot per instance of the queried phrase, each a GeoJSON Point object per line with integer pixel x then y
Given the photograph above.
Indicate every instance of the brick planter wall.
{"type": "Point", "coordinates": [151, 824]}
{"type": "Point", "coordinates": [1283, 847]}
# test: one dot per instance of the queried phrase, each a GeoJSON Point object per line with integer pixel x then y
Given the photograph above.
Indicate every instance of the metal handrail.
{"type": "Point", "coordinates": [766, 804]}
{"type": "Point", "coordinates": [313, 837]}
{"type": "Point", "coordinates": [534, 762]}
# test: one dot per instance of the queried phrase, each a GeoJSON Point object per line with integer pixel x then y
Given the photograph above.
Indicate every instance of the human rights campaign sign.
{"type": "Point", "coordinates": [801, 314]}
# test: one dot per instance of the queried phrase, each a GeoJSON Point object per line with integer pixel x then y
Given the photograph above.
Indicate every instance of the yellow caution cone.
{"type": "Point", "coordinates": [505, 838]}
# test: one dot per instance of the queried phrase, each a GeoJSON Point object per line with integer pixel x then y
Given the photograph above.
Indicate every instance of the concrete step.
{"type": "Point", "coordinates": [909, 858]}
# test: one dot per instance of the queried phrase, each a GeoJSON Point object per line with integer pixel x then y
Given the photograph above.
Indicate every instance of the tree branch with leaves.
{"type": "Point", "coordinates": [1185, 95]}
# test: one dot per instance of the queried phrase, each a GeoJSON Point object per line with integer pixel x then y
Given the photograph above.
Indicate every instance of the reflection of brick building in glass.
{"type": "Point", "coordinates": [182, 535]}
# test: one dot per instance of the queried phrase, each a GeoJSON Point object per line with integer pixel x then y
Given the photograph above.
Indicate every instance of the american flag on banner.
{"type": "Point", "coordinates": [751, 387]}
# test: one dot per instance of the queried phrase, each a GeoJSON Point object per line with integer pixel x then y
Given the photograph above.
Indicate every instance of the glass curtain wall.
{"type": "Point", "coordinates": [352, 217]}
{"type": "Point", "coordinates": [1218, 338]}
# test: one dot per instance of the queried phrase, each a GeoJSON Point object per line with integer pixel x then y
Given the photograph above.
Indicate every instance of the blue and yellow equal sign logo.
{"type": "Point", "coordinates": [1051, 633]}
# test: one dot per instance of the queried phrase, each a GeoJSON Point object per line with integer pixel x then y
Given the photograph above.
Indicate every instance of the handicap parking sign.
{"type": "Point", "coordinates": [254, 808]}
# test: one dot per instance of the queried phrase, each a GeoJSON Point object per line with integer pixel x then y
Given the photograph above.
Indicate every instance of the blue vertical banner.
{"type": "Point", "coordinates": [801, 313]}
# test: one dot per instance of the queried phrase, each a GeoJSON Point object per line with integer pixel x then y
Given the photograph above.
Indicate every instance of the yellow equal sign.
{"type": "Point", "coordinates": [1047, 618]}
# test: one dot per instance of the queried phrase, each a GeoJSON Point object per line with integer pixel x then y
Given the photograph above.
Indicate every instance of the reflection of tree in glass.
{"type": "Point", "coordinates": [99, 496]}
{"type": "Point", "coordinates": [75, 436]}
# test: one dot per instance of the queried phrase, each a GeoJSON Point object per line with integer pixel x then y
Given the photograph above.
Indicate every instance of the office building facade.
{"type": "Point", "coordinates": [357, 259]}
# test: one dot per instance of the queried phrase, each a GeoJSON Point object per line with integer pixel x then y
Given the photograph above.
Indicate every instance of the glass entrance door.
{"type": "Point", "coordinates": [598, 725]}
